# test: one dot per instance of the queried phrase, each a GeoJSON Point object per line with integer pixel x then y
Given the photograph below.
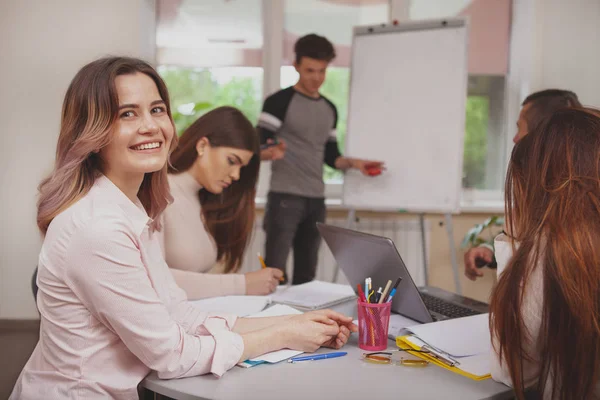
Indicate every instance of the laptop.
{"type": "Point", "coordinates": [361, 255]}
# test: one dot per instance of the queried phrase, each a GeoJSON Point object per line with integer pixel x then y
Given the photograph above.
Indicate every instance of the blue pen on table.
{"type": "Point", "coordinates": [314, 357]}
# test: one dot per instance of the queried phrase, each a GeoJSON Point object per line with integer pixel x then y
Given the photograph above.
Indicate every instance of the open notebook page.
{"type": "Point", "coordinates": [314, 295]}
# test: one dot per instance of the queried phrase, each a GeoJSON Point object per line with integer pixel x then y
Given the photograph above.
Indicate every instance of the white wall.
{"type": "Point", "coordinates": [554, 44]}
{"type": "Point", "coordinates": [43, 45]}
{"type": "Point", "coordinates": [568, 47]}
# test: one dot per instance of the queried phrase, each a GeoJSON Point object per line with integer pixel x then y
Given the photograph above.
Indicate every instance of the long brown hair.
{"type": "Point", "coordinates": [553, 213]}
{"type": "Point", "coordinates": [89, 111]}
{"type": "Point", "coordinates": [228, 217]}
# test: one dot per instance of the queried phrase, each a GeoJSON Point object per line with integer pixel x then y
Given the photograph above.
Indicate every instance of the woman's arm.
{"type": "Point", "coordinates": [105, 271]}
{"type": "Point", "coordinates": [247, 325]}
{"type": "Point", "coordinates": [198, 285]}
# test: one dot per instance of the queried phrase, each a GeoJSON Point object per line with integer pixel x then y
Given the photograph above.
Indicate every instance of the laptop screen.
{"type": "Point", "coordinates": [361, 255]}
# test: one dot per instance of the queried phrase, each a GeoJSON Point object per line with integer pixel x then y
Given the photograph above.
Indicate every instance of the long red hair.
{"type": "Point", "coordinates": [553, 213]}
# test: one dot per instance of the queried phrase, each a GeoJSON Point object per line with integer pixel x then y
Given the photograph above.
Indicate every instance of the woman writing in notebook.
{"type": "Point", "coordinates": [110, 309]}
{"type": "Point", "coordinates": [545, 309]}
{"type": "Point", "coordinates": [212, 175]}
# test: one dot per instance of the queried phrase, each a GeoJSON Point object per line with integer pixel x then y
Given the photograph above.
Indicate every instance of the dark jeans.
{"type": "Point", "coordinates": [291, 220]}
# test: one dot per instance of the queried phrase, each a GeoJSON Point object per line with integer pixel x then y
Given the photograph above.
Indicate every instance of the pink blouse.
{"type": "Point", "coordinates": [111, 311]}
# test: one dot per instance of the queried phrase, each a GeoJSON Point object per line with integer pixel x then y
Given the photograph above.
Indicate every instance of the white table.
{"type": "Point", "coordinates": [339, 378]}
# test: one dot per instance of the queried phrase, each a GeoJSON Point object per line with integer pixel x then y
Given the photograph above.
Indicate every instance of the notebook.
{"type": "Point", "coordinates": [314, 295]}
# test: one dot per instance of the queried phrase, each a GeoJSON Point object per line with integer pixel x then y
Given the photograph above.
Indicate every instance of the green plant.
{"type": "Point", "coordinates": [483, 233]}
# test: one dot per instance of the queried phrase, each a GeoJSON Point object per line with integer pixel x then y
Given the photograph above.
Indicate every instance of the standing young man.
{"type": "Point", "coordinates": [304, 122]}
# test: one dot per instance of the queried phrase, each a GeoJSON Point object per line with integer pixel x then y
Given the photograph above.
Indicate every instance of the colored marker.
{"type": "Point", "coordinates": [361, 294]}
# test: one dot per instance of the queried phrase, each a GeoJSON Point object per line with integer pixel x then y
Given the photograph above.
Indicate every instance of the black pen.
{"type": "Point", "coordinates": [378, 295]}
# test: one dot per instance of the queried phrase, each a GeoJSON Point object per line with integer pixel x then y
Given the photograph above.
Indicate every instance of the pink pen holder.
{"type": "Point", "coordinates": [373, 324]}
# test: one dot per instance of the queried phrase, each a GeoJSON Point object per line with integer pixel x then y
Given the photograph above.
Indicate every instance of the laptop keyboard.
{"type": "Point", "coordinates": [445, 308]}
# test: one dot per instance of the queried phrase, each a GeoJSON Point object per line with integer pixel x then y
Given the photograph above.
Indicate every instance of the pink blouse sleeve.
{"type": "Point", "coordinates": [106, 272]}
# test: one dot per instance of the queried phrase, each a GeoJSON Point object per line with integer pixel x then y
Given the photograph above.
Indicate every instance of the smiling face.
{"type": "Point", "coordinates": [142, 134]}
{"type": "Point", "coordinates": [312, 74]}
{"type": "Point", "coordinates": [216, 168]}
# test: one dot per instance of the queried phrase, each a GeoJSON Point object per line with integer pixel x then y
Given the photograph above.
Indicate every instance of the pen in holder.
{"type": "Point", "coordinates": [373, 324]}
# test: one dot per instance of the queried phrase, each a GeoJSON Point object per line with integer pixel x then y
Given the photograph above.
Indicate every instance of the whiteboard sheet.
{"type": "Point", "coordinates": [407, 108]}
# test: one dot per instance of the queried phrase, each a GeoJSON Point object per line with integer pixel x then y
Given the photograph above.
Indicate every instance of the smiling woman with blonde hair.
{"type": "Point", "coordinates": [110, 310]}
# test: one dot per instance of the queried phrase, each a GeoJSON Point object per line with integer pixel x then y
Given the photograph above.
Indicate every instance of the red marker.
{"type": "Point", "coordinates": [361, 294]}
{"type": "Point", "coordinates": [373, 171]}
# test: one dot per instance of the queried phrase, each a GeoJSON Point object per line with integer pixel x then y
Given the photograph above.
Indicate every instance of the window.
{"type": "Point", "coordinates": [196, 90]}
{"type": "Point", "coordinates": [210, 54]}
{"type": "Point", "coordinates": [335, 21]}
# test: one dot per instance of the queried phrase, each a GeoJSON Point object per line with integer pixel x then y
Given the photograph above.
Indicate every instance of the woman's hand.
{"type": "Point", "coordinates": [263, 281]}
{"type": "Point", "coordinates": [309, 331]}
{"type": "Point", "coordinates": [346, 328]}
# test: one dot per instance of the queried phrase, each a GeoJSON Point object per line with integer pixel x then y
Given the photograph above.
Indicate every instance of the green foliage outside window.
{"type": "Point", "coordinates": [195, 91]}
{"type": "Point", "coordinates": [476, 126]}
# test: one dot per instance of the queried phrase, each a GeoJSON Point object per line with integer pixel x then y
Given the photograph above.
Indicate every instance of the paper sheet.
{"type": "Point", "coordinates": [458, 337]}
{"type": "Point", "coordinates": [398, 325]}
{"type": "Point", "coordinates": [237, 305]}
{"type": "Point", "coordinates": [478, 364]}
{"type": "Point", "coordinates": [314, 295]}
{"type": "Point", "coordinates": [280, 355]}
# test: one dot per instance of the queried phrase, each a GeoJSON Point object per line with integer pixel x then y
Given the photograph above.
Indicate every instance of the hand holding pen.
{"type": "Point", "coordinates": [263, 281]}
{"type": "Point", "coordinates": [263, 265]}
